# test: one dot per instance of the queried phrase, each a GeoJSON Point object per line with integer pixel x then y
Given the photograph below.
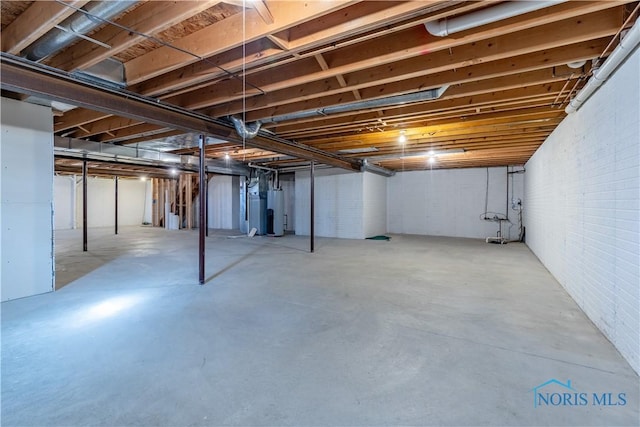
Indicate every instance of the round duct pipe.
{"type": "Point", "coordinates": [78, 23]}
{"type": "Point", "coordinates": [444, 27]}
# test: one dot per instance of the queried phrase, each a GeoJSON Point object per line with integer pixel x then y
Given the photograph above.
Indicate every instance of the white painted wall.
{"type": "Point", "coordinates": [451, 202]}
{"type": "Point", "coordinates": [582, 209]}
{"type": "Point", "coordinates": [26, 211]}
{"type": "Point", "coordinates": [338, 204]}
{"type": "Point", "coordinates": [374, 204]}
{"type": "Point", "coordinates": [134, 202]}
{"type": "Point", "coordinates": [288, 185]}
{"type": "Point", "coordinates": [64, 202]}
{"type": "Point", "coordinates": [224, 202]}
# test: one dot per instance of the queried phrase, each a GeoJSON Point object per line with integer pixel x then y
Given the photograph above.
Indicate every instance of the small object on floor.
{"type": "Point", "coordinates": [496, 240]}
{"type": "Point", "coordinates": [386, 238]}
{"type": "Point", "coordinates": [253, 232]}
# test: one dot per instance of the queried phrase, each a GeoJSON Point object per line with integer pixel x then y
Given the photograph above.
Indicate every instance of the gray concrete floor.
{"type": "Point", "coordinates": [415, 331]}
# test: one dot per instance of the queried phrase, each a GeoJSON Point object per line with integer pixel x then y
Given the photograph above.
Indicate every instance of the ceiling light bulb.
{"type": "Point", "coordinates": [143, 178]}
{"type": "Point", "coordinates": [402, 139]}
{"type": "Point", "coordinates": [430, 153]}
{"type": "Point", "coordinates": [227, 156]}
{"type": "Point", "coordinates": [173, 171]}
{"type": "Point", "coordinates": [432, 160]}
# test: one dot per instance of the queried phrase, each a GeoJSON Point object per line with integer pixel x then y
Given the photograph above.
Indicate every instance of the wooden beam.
{"type": "Point", "coordinates": [361, 18]}
{"type": "Point", "coordinates": [150, 18]}
{"type": "Point", "coordinates": [34, 22]}
{"type": "Point", "coordinates": [224, 35]}
{"type": "Point", "coordinates": [77, 117]}
{"type": "Point", "coordinates": [548, 36]}
{"type": "Point", "coordinates": [397, 82]}
{"type": "Point", "coordinates": [263, 11]}
{"type": "Point", "coordinates": [110, 124]}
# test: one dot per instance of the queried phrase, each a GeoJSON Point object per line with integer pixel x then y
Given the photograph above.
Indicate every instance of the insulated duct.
{"type": "Point", "coordinates": [246, 130]}
{"type": "Point", "coordinates": [600, 75]}
{"type": "Point", "coordinates": [444, 27]}
{"type": "Point", "coordinates": [78, 23]}
{"type": "Point", "coordinates": [425, 95]}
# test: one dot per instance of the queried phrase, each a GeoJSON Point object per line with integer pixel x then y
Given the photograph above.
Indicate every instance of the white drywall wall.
{"type": "Point", "coordinates": [582, 209]}
{"type": "Point", "coordinates": [338, 204]}
{"type": "Point", "coordinates": [224, 202]}
{"type": "Point", "coordinates": [451, 202]}
{"type": "Point", "coordinates": [26, 204]}
{"type": "Point", "coordinates": [134, 202]}
{"type": "Point", "coordinates": [374, 204]}
{"type": "Point", "coordinates": [288, 185]}
{"type": "Point", "coordinates": [64, 202]}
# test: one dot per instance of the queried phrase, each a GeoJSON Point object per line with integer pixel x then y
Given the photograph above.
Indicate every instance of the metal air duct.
{"type": "Point", "coordinates": [245, 130]}
{"type": "Point", "coordinates": [444, 27]}
{"type": "Point", "coordinates": [425, 95]}
{"type": "Point", "coordinates": [78, 23]}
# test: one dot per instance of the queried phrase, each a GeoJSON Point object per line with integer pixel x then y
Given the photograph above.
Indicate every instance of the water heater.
{"type": "Point", "coordinates": [275, 212]}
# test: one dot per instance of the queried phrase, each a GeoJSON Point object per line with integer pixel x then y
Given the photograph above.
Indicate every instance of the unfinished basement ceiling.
{"type": "Point", "coordinates": [501, 87]}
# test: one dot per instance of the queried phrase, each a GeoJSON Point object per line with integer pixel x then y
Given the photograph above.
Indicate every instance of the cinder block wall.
{"type": "Point", "coordinates": [450, 202]}
{"type": "Point", "coordinates": [582, 210]}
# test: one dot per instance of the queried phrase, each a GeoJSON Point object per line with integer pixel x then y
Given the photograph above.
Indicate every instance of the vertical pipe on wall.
{"type": "Point", "coordinates": [84, 206]}
{"type": "Point", "coordinates": [312, 230]}
{"type": "Point", "coordinates": [201, 174]}
{"type": "Point", "coordinates": [116, 209]}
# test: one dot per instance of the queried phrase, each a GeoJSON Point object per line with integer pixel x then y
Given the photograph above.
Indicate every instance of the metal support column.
{"type": "Point", "coordinates": [84, 205]}
{"type": "Point", "coordinates": [312, 228]}
{"type": "Point", "coordinates": [201, 174]}
{"type": "Point", "coordinates": [116, 210]}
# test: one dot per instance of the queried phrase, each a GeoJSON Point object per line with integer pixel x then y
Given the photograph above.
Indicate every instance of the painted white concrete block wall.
{"type": "Point", "coordinates": [224, 202]}
{"type": "Point", "coordinates": [26, 200]}
{"type": "Point", "coordinates": [338, 204]}
{"type": "Point", "coordinates": [582, 209]}
{"type": "Point", "coordinates": [374, 204]}
{"type": "Point", "coordinates": [451, 202]}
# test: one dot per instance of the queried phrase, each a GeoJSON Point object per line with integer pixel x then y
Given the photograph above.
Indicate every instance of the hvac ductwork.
{"type": "Point", "coordinates": [444, 27]}
{"type": "Point", "coordinates": [78, 23]}
{"type": "Point", "coordinates": [246, 130]}
{"type": "Point", "coordinates": [627, 45]}
{"type": "Point", "coordinates": [425, 95]}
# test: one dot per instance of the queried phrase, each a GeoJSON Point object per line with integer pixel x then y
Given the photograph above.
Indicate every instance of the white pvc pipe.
{"type": "Point", "coordinates": [619, 54]}
{"type": "Point", "coordinates": [444, 27]}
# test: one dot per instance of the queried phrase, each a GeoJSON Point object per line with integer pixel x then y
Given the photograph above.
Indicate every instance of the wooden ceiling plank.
{"type": "Point", "coordinates": [548, 36]}
{"type": "Point", "coordinates": [467, 89]}
{"type": "Point", "coordinates": [77, 117]}
{"type": "Point", "coordinates": [132, 131]}
{"type": "Point", "coordinates": [364, 15]}
{"type": "Point", "coordinates": [34, 22]}
{"type": "Point", "coordinates": [110, 124]}
{"type": "Point", "coordinates": [263, 11]}
{"type": "Point", "coordinates": [224, 35]}
{"type": "Point", "coordinates": [150, 18]}
{"type": "Point", "coordinates": [393, 121]}
{"type": "Point", "coordinates": [397, 83]}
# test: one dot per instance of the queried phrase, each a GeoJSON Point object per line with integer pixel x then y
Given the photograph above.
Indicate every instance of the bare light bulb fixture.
{"type": "Point", "coordinates": [402, 138]}
{"type": "Point", "coordinates": [227, 156]}
{"type": "Point", "coordinates": [432, 159]}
